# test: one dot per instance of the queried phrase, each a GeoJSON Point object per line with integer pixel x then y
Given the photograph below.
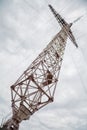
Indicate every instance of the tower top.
{"type": "Point", "coordinates": [66, 27]}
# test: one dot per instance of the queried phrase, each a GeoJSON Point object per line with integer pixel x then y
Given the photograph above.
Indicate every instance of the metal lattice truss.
{"type": "Point", "coordinates": [36, 86]}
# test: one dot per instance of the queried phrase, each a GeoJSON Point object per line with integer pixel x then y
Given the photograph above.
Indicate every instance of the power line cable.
{"type": "Point", "coordinates": [45, 125]}
{"type": "Point", "coordinates": [80, 77]}
{"type": "Point", "coordinates": [31, 34]}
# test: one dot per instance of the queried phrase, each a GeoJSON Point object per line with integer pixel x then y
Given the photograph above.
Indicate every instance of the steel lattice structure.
{"type": "Point", "coordinates": [35, 88]}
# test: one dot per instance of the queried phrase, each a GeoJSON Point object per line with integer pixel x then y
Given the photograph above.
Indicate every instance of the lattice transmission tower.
{"type": "Point", "coordinates": [35, 88]}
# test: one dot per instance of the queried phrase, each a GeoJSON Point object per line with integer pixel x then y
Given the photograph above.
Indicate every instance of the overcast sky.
{"type": "Point", "coordinates": [26, 27]}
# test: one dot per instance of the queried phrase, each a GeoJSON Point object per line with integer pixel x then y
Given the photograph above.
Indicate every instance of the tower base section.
{"type": "Point", "coordinates": [3, 128]}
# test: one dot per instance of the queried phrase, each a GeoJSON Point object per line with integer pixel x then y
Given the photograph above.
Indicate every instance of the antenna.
{"type": "Point", "coordinates": [66, 27]}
